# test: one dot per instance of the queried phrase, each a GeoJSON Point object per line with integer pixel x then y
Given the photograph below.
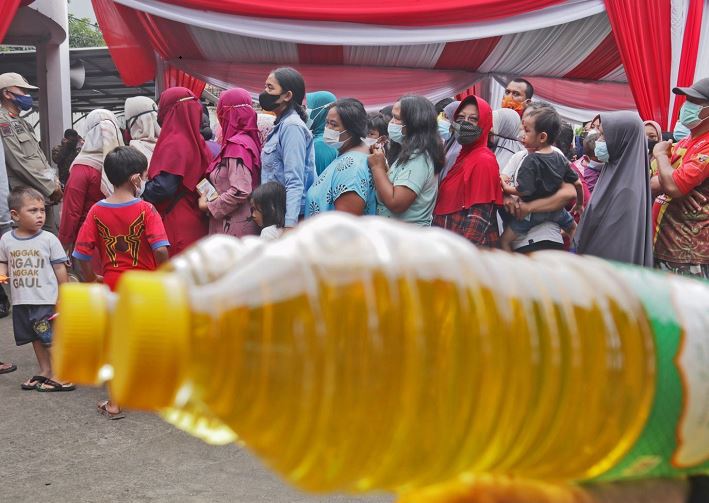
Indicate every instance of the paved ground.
{"type": "Point", "coordinates": [55, 448]}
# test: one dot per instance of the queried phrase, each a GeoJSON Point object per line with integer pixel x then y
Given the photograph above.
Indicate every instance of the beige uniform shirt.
{"type": "Point", "coordinates": [25, 161]}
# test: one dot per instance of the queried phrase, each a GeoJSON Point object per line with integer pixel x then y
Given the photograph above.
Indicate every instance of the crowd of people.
{"type": "Point", "coordinates": [517, 178]}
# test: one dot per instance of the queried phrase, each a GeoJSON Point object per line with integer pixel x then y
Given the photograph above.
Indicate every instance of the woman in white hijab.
{"type": "Point", "coordinates": [87, 183]}
{"type": "Point", "coordinates": [141, 115]}
{"type": "Point", "coordinates": [504, 135]}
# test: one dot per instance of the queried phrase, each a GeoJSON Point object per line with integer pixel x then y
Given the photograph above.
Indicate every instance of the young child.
{"type": "Point", "coordinates": [126, 232]}
{"type": "Point", "coordinates": [268, 209]}
{"type": "Point", "coordinates": [541, 174]}
{"type": "Point", "coordinates": [33, 262]}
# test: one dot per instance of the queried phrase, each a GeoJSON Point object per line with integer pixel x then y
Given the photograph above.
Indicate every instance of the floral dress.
{"type": "Point", "coordinates": [347, 173]}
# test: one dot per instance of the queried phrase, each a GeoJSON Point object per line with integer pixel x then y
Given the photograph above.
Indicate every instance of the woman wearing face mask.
{"type": "Point", "coordinates": [588, 166]}
{"type": "Point", "coordinates": [318, 104]}
{"type": "Point", "coordinates": [87, 183]}
{"type": "Point", "coordinates": [470, 194]}
{"type": "Point", "coordinates": [236, 170]}
{"type": "Point", "coordinates": [288, 156]}
{"type": "Point", "coordinates": [616, 224]}
{"type": "Point", "coordinates": [346, 184]}
{"type": "Point", "coordinates": [504, 142]}
{"type": "Point", "coordinates": [179, 162]}
{"type": "Point", "coordinates": [451, 147]}
{"type": "Point", "coordinates": [142, 128]}
{"type": "Point", "coordinates": [407, 190]}
{"type": "Point", "coordinates": [653, 132]}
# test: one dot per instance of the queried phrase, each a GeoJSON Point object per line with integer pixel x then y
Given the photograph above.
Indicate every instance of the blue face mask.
{"type": "Point", "coordinates": [23, 102]}
{"type": "Point", "coordinates": [395, 132]}
{"type": "Point", "coordinates": [681, 131]}
{"type": "Point", "coordinates": [444, 129]}
{"type": "Point", "coordinates": [689, 115]}
{"type": "Point", "coordinates": [601, 151]}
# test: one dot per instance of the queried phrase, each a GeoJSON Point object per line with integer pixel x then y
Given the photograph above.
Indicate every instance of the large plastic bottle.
{"type": "Point", "coordinates": [360, 354]}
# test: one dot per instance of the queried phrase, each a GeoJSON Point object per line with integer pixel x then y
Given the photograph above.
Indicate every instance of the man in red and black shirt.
{"type": "Point", "coordinates": [682, 229]}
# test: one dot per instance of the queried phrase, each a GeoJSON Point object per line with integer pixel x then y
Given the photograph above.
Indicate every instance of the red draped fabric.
{"type": "Point", "coordinates": [170, 40]}
{"type": "Point", "coordinates": [391, 12]}
{"type": "Point", "coordinates": [174, 77]}
{"type": "Point", "coordinates": [309, 54]}
{"type": "Point", "coordinates": [8, 8]}
{"type": "Point", "coordinates": [603, 60]}
{"type": "Point", "coordinates": [581, 94]}
{"type": "Point", "coordinates": [690, 52]}
{"type": "Point", "coordinates": [643, 33]}
{"type": "Point", "coordinates": [128, 44]}
{"type": "Point", "coordinates": [468, 54]}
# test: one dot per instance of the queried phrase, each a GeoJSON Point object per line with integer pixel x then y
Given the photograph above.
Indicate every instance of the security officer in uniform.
{"type": "Point", "coordinates": [25, 162]}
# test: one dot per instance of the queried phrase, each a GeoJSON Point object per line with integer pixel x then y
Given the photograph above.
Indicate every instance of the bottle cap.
{"type": "Point", "coordinates": [149, 343]}
{"type": "Point", "coordinates": [80, 332]}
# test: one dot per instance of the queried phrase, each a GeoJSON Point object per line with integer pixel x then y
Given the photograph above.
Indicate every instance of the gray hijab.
{"type": "Point", "coordinates": [617, 223]}
{"type": "Point", "coordinates": [451, 147]}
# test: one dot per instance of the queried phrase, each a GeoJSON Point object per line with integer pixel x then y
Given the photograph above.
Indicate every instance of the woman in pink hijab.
{"type": "Point", "coordinates": [236, 170]}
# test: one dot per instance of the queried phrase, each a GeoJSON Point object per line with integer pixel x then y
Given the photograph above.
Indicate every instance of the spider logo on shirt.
{"type": "Point", "coordinates": [129, 243]}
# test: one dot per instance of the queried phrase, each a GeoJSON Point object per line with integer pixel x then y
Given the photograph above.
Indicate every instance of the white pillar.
{"type": "Point", "coordinates": [53, 78]}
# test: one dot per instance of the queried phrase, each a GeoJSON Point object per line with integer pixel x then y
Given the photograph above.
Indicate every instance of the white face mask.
{"type": "Point", "coordinates": [140, 188]}
{"type": "Point", "coordinates": [369, 141]}
{"type": "Point", "coordinates": [332, 138]}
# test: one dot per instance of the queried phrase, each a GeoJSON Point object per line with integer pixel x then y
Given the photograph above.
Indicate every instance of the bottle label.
{"type": "Point", "coordinates": [675, 440]}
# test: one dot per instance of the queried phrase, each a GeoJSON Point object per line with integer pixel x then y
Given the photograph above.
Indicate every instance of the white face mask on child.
{"type": "Point", "coordinates": [140, 188]}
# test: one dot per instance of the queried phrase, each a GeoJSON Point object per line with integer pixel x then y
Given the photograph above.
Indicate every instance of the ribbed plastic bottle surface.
{"type": "Point", "coordinates": [359, 354]}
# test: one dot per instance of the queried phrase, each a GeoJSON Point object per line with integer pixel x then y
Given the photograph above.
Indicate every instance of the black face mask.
{"type": "Point", "coordinates": [467, 132]}
{"type": "Point", "coordinates": [268, 101]}
{"type": "Point", "coordinates": [651, 146]}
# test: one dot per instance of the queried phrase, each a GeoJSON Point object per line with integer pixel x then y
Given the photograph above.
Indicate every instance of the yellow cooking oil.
{"type": "Point", "coordinates": [364, 354]}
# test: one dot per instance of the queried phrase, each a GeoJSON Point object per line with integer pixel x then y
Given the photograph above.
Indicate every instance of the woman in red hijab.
{"type": "Point", "coordinates": [236, 171]}
{"type": "Point", "coordinates": [469, 196]}
{"type": "Point", "coordinates": [179, 162]}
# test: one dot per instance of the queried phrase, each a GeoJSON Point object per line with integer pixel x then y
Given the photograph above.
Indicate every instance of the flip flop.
{"type": "Point", "coordinates": [9, 369]}
{"type": "Point", "coordinates": [102, 409]}
{"type": "Point", "coordinates": [37, 380]}
{"type": "Point", "coordinates": [55, 386]}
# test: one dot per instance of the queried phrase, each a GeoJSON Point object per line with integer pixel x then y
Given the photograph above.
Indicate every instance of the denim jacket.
{"type": "Point", "coordinates": [288, 157]}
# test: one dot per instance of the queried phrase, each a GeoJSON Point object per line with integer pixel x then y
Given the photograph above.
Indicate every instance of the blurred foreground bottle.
{"type": "Point", "coordinates": [360, 354]}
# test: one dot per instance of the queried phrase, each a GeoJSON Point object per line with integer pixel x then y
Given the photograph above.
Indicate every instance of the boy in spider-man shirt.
{"type": "Point", "coordinates": [125, 231]}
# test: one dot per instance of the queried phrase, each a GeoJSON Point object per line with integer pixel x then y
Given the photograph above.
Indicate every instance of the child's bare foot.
{"type": "Point", "coordinates": [6, 368]}
{"type": "Point", "coordinates": [110, 410]}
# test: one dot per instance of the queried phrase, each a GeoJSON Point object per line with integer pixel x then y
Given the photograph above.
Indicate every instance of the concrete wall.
{"type": "Point", "coordinates": [53, 76]}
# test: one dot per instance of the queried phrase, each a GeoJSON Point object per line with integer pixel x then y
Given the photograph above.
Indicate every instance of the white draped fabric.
{"type": "Point", "coordinates": [551, 52]}
{"type": "Point", "coordinates": [331, 33]}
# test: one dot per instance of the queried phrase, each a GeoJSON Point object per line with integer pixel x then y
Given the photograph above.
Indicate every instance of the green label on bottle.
{"type": "Point", "coordinates": [675, 439]}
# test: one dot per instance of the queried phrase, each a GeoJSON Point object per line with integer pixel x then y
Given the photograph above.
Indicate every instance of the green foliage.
{"type": "Point", "coordinates": [83, 33]}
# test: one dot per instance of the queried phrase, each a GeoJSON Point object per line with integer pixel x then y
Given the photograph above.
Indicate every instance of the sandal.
{"type": "Point", "coordinates": [35, 381]}
{"type": "Point", "coordinates": [9, 369]}
{"type": "Point", "coordinates": [103, 410]}
{"type": "Point", "coordinates": [55, 386]}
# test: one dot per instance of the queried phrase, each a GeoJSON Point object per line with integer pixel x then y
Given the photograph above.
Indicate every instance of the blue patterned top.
{"type": "Point", "coordinates": [348, 173]}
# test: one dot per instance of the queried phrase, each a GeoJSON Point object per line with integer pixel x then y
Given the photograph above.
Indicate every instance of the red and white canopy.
{"type": "Point", "coordinates": [572, 50]}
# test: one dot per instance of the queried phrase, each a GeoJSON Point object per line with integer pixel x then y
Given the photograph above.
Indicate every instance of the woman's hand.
{"type": "Point", "coordinates": [377, 158]}
{"type": "Point", "coordinates": [202, 203]}
{"type": "Point", "coordinates": [693, 202]}
{"type": "Point", "coordinates": [662, 148]}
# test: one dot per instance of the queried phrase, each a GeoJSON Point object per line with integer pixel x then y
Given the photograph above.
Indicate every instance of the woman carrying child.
{"type": "Point", "coordinates": [236, 170]}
